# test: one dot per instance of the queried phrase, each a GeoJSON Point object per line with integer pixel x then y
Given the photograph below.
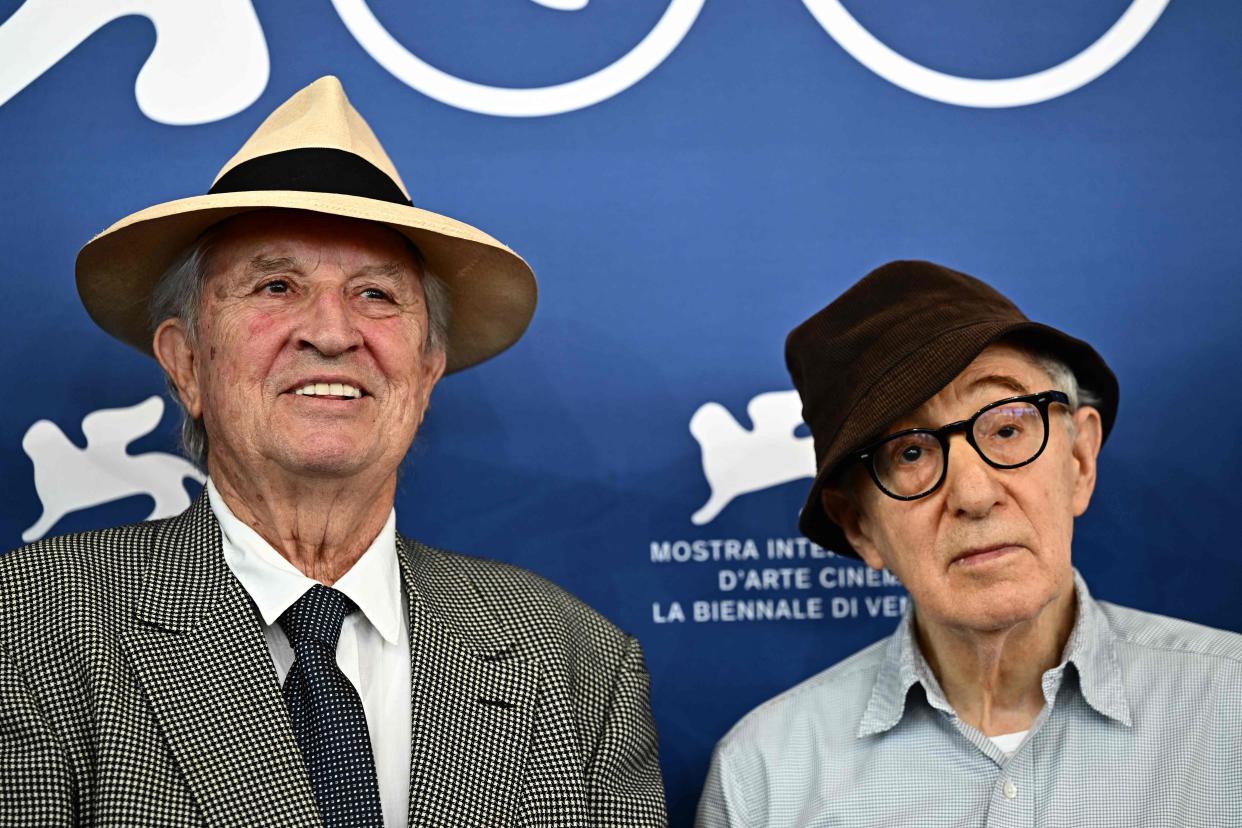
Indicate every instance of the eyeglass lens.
{"type": "Point", "coordinates": [1008, 435]}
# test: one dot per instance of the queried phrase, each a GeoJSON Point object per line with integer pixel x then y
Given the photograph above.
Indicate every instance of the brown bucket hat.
{"type": "Point", "coordinates": [888, 344]}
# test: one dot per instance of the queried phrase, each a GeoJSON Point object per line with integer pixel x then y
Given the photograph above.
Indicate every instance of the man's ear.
{"type": "Point", "coordinates": [435, 360]}
{"type": "Point", "coordinates": [171, 345]}
{"type": "Point", "coordinates": [1088, 436]}
{"type": "Point", "coordinates": [843, 509]}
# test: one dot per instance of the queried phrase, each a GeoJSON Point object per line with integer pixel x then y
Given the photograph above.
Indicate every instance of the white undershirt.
{"type": "Point", "coordinates": [1009, 742]}
{"type": "Point", "coordinates": [374, 648]}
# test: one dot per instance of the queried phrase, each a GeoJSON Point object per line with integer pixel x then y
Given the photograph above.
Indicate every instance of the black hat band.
{"type": "Point", "coordinates": [312, 170]}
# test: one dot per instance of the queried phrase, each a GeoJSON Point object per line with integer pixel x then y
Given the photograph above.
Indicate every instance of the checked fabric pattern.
{"type": "Point", "coordinates": [328, 719]}
{"type": "Point", "coordinates": [136, 689]}
{"type": "Point", "coordinates": [1141, 728]}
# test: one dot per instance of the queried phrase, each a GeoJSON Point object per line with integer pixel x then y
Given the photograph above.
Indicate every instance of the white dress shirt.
{"type": "Point", "coordinates": [374, 648]}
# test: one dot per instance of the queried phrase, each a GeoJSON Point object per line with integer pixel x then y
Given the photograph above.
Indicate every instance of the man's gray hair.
{"type": "Point", "coordinates": [1063, 379]}
{"type": "Point", "coordinates": [178, 295]}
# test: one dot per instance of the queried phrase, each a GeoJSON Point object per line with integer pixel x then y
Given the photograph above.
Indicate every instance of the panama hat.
{"type": "Point", "coordinates": [316, 153]}
{"type": "Point", "coordinates": [888, 344]}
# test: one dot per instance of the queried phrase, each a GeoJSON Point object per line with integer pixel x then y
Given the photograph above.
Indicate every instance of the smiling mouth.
{"type": "Point", "coordinates": [330, 390]}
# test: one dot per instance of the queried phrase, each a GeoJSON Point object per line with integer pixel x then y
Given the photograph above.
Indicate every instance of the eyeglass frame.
{"type": "Point", "coordinates": [1041, 400]}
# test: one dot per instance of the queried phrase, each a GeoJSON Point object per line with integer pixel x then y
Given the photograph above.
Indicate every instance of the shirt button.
{"type": "Point", "coordinates": [1009, 789]}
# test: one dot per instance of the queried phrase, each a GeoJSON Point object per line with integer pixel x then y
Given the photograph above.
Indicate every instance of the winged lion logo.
{"type": "Point", "coordinates": [68, 479]}
{"type": "Point", "coordinates": [737, 461]}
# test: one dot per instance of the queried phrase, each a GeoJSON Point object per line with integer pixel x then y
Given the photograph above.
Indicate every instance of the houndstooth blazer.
{"type": "Point", "coordinates": [136, 689]}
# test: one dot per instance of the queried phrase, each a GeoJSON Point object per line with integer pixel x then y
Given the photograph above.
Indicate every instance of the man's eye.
{"type": "Point", "coordinates": [376, 293]}
{"type": "Point", "coordinates": [908, 454]}
{"type": "Point", "coordinates": [275, 286]}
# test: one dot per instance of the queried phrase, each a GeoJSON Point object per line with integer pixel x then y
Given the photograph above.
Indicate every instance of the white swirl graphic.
{"type": "Point", "coordinates": [1058, 80]}
{"type": "Point", "coordinates": [520, 102]}
{"type": "Point", "coordinates": [210, 60]}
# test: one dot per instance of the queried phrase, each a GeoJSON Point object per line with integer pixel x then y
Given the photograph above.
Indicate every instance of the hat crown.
{"type": "Point", "coordinates": [319, 116]}
{"type": "Point", "coordinates": [877, 323]}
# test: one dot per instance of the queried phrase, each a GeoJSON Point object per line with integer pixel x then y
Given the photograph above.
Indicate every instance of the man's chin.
{"type": "Point", "coordinates": [341, 462]}
{"type": "Point", "coordinates": [1001, 607]}
{"type": "Point", "coordinates": [1000, 620]}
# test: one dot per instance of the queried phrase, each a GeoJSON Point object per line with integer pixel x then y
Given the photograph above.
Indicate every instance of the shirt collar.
{"type": "Point", "coordinates": [1091, 648]}
{"type": "Point", "coordinates": [274, 584]}
{"type": "Point", "coordinates": [903, 667]}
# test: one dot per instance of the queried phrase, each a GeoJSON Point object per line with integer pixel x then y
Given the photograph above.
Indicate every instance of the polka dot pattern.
{"type": "Point", "coordinates": [328, 719]}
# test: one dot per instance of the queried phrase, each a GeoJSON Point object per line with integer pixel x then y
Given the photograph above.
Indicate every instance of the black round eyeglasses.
{"type": "Point", "coordinates": [1007, 434]}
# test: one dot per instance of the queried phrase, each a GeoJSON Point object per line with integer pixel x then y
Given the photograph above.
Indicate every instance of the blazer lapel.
{"type": "Point", "coordinates": [472, 698]}
{"type": "Point", "coordinates": [200, 657]}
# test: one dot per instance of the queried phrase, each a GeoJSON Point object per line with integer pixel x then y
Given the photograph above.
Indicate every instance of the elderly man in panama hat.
{"type": "Point", "coordinates": [279, 654]}
{"type": "Point", "coordinates": [956, 442]}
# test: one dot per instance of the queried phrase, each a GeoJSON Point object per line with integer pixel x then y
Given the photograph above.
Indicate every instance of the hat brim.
{"type": "Point", "coordinates": [910, 385]}
{"type": "Point", "coordinates": [492, 290]}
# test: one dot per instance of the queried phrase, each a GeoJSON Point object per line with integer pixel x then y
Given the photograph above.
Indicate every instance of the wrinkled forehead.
{"type": "Point", "coordinates": [1001, 370]}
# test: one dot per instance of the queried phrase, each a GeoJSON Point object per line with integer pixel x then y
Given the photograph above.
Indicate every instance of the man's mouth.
{"type": "Point", "coordinates": [983, 554]}
{"type": "Point", "coordinates": [332, 390]}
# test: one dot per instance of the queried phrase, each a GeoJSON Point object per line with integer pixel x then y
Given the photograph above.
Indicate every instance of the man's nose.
{"type": "Point", "coordinates": [972, 487]}
{"type": "Point", "coordinates": [328, 325]}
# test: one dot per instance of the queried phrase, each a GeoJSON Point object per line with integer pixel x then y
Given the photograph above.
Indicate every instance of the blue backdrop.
{"type": "Point", "coordinates": [708, 186]}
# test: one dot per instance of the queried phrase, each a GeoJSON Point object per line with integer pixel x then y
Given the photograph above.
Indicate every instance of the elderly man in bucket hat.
{"type": "Point", "coordinates": [956, 442]}
{"type": "Point", "coordinates": [279, 654]}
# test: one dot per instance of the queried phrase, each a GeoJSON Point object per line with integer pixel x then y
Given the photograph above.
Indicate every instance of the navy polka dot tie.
{"type": "Point", "coordinates": [328, 718]}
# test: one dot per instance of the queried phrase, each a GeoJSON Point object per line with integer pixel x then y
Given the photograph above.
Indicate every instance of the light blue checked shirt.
{"type": "Point", "coordinates": [1145, 729]}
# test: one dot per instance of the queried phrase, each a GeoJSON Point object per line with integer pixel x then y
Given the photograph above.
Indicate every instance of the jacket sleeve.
{"type": "Point", "coordinates": [626, 786]}
{"type": "Point", "coordinates": [35, 785]}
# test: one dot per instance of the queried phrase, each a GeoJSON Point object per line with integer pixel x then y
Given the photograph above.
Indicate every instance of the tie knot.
{"type": "Point", "coordinates": [316, 616]}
